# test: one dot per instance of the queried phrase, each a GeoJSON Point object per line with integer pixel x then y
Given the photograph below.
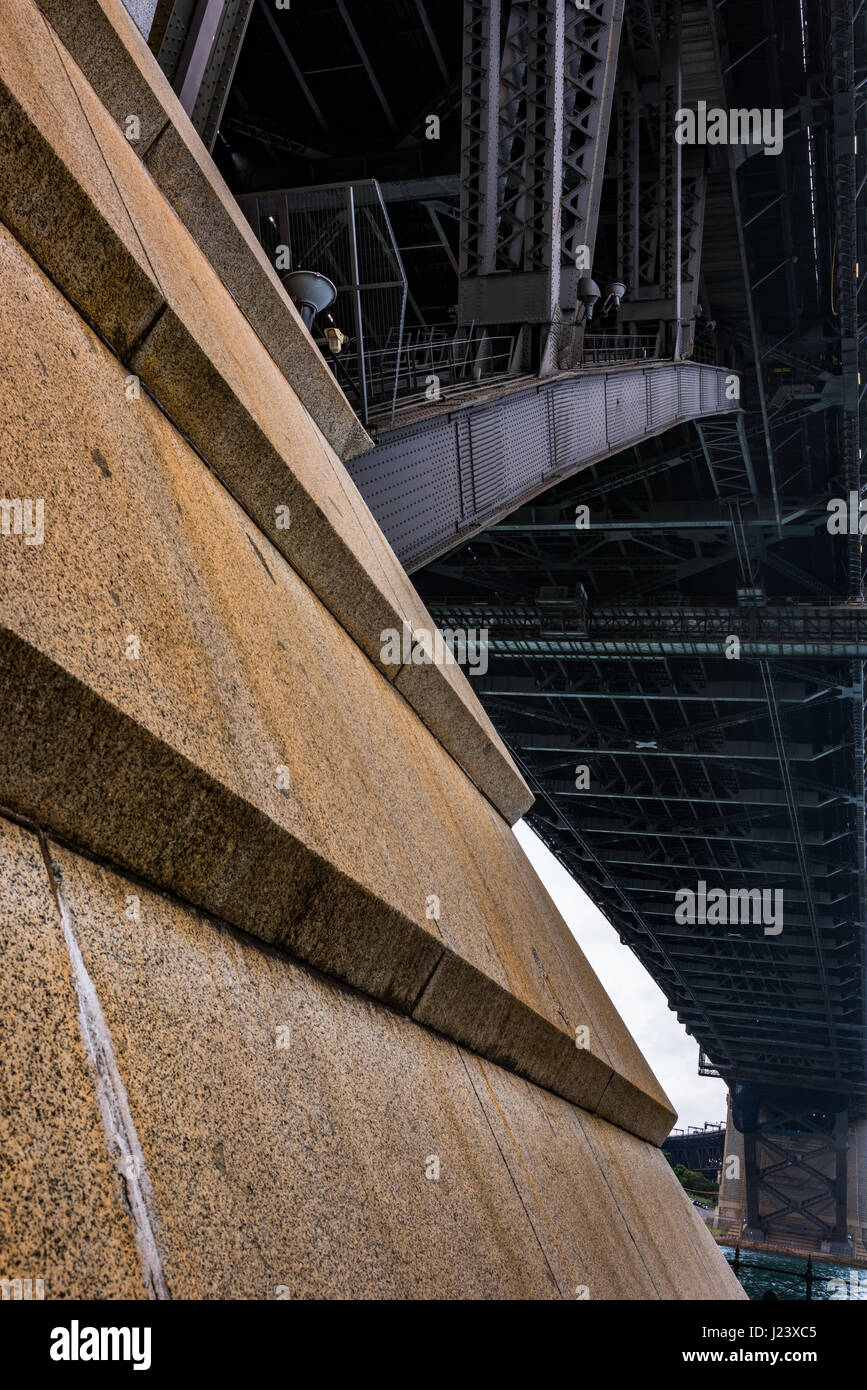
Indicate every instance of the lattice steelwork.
{"type": "Point", "coordinates": [558, 629]}
{"type": "Point", "coordinates": [592, 45]}
{"type": "Point", "coordinates": [480, 128]}
{"type": "Point", "coordinates": [694, 201]}
{"type": "Point", "coordinates": [670, 164]}
{"type": "Point", "coordinates": [728, 457]}
{"type": "Point", "coordinates": [343, 231]}
{"type": "Point", "coordinates": [701, 769]}
{"type": "Point", "coordinates": [530, 126]}
{"type": "Point", "coordinates": [627, 132]}
{"type": "Point", "coordinates": [537, 95]}
{"type": "Point", "coordinates": [641, 26]}
{"type": "Point", "coordinates": [700, 1150]}
{"type": "Point", "coordinates": [850, 239]}
{"type": "Point", "coordinates": [662, 187]}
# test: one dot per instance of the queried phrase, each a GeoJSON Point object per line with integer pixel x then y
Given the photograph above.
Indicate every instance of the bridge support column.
{"type": "Point", "coordinates": [795, 1167]}
{"type": "Point", "coordinates": [730, 1208]}
{"type": "Point", "coordinates": [670, 178]}
{"type": "Point", "coordinates": [752, 1184]}
{"type": "Point", "coordinates": [694, 200]}
{"type": "Point", "coordinates": [662, 188]}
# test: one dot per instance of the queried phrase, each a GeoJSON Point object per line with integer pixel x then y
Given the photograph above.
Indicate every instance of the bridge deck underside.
{"type": "Point", "coordinates": [665, 754]}
{"type": "Point", "coordinates": [701, 1151]}
{"type": "Point", "coordinates": [446, 476]}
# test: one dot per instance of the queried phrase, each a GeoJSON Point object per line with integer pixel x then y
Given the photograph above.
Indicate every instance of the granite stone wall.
{"type": "Point", "coordinates": [268, 1132]}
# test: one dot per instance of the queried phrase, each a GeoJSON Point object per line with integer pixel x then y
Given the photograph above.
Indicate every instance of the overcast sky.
{"type": "Point", "coordinates": [641, 1004]}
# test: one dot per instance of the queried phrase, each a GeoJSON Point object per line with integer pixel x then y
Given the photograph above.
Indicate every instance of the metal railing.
{"type": "Point", "coordinates": [601, 348]}
{"type": "Point", "coordinates": [706, 353]}
{"type": "Point", "coordinates": [431, 363]}
{"type": "Point", "coordinates": [426, 371]}
{"type": "Point", "coordinates": [809, 1276]}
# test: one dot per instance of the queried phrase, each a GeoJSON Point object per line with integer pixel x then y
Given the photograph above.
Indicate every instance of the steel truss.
{"type": "Point", "coordinates": [465, 469]}
{"type": "Point", "coordinates": [700, 1150]}
{"type": "Point", "coordinates": [562, 629]}
{"type": "Point", "coordinates": [662, 188]}
{"type": "Point", "coordinates": [537, 94]}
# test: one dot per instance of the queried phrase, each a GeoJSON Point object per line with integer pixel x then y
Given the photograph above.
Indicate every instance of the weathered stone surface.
{"type": "Point", "coordinates": [579, 991]}
{"type": "Point", "coordinates": [168, 762]}
{"type": "Point", "coordinates": [574, 1211]}
{"type": "Point", "coordinates": [142, 12]}
{"type": "Point", "coordinates": [62, 1213]}
{"type": "Point", "coordinates": [302, 1166]}
{"type": "Point", "coordinates": [539, 965]}
{"type": "Point", "coordinates": [463, 723]}
{"type": "Point", "coordinates": [194, 350]}
{"type": "Point", "coordinates": [682, 1256]}
{"type": "Point", "coordinates": [125, 75]}
{"type": "Point", "coordinates": [57, 200]}
{"type": "Point", "coordinates": [624, 1187]}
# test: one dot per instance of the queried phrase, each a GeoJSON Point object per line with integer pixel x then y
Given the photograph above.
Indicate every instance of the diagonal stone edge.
{"type": "Point", "coordinates": [106, 44]}
{"type": "Point", "coordinates": [85, 772]}
{"type": "Point", "coordinates": [465, 1004]}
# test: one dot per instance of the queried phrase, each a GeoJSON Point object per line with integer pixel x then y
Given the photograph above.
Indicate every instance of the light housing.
{"type": "Point", "coordinates": [310, 292]}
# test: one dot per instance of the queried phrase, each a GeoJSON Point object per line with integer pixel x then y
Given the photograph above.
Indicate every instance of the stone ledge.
{"type": "Point", "coordinates": [72, 762]}
{"type": "Point", "coordinates": [465, 1005]}
{"type": "Point", "coordinates": [69, 179]}
{"type": "Point", "coordinates": [167, 766]}
{"type": "Point", "coordinates": [166, 763]}
{"type": "Point", "coordinates": [108, 48]}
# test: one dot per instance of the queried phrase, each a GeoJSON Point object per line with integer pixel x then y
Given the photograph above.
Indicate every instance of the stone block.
{"type": "Point", "coordinates": [289, 1127]}
{"type": "Point", "coordinates": [63, 1217]}
{"type": "Point", "coordinates": [120, 67]}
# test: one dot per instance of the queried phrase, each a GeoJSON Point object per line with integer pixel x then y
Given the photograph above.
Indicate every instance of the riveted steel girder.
{"type": "Point", "coordinates": [561, 631]}
{"type": "Point", "coordinates": [197, 43]}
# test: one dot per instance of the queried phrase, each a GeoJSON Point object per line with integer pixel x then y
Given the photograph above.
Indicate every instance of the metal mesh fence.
{"type": "Point", "coordinates": [343, 231]}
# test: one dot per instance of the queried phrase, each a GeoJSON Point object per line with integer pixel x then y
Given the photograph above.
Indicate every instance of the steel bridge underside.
{"type": "Point", "coordinates": [660, 764]}
{"type": "Point", "coordinates": [681, 674]}
{"type": "Point", "coordinates": [446, 474]}
{"type": "Point", "coordinates": [700, 1150]}
{"type": "Point", "coordinates": [677, 641]}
